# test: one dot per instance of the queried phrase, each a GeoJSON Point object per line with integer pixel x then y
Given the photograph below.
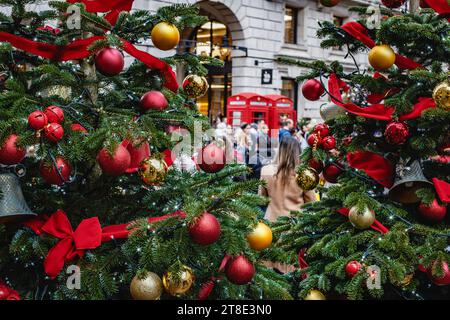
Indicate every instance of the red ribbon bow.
{"type": "Point", "coordinates": [374, 165]}
{"type": "Point", "coordinates": [72, 244]}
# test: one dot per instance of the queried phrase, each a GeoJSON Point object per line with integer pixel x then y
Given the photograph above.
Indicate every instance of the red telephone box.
{"type": "Point", "coordinates": [247, 107]}
{"type": "Point", "coordinates": [281, 107]}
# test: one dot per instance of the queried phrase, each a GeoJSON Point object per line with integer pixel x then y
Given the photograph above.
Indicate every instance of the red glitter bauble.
{"type": "Point", "coordinates": [396, 133]}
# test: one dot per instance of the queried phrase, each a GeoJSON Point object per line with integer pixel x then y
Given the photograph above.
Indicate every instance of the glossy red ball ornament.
{"type": "Point", "coordinates": [116, 163]}
{"type": "Point", "coordinates": [49, 171]}
{"type": "Point", "coordinates": [393, 3]}
{"type": "Point", "coordinates": [54, 132]}
{"type": "Point", "coordinates": [352, 268]}
{"type": "Point", "coordinates": [322, 129]}
{"type": "Point", "coordinates": [205, 230]}
{"type": "Point", "coordinates": [37, 120]}
{"type": "Point", "coordinates": [211, 159]}
{"type": "Point", "coordinates": [434, 212]}
{"type": "Point", "coordinates": [239, 270]}
{"type": "Point", "coordinates": [328, 143]}
{"type": "Point", "coordinates": [9, 152]}
{"type": "Point", "coordinates": [329, 3]}
{"type": "Point", "coordinates": [109, 62]}
{"type": "Point", "coordinates": [312, 89]}
{"type": "Point", "coordinates": [76, 127]}
{"type": "Point", "coordinates": [441, 281]}
{"type": "Point", "coordinates": [4, 292]}
{"type": "Point", "coordinates": [316, 165]}
{"type": "Point", "coordinates": [153, 100]}
{"type": "Point", "coordinates": [396, 133]}
{"type": "Point", "coordinates": [331, 172]}
{"type": "Point", "coordinates": [54, 114]}
{"type": "Point", "coordinates": [314, 140]}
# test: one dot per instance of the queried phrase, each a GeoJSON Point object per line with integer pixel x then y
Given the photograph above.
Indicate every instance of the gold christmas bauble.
{"type": "Point", "coordinates": [153, 171]}
{"type": "Point", "coordinates": [195, 86]}
{"type": "Point", "coordinates": [307, 179]}
{"type": "Point", "coordinates": [315, 295]}
{"type": "Point", "coordinates": [149, 287]}
{"type": "Point", "coordinates": [361, 220]}
{"type": "Point", "coordinates": [178, 284]}
{"type": "Point", "coordinates": [165, 36]}
{"type": "Point", "coordinates": [260, 238]}
{"type": "Point", "coordinates": [381, 57]}
{"type": "Point", "coordinates": [441, 95]}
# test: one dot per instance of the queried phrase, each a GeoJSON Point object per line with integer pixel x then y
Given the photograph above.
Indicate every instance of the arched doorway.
{"type": "Point", "coordinates": [214, 39]}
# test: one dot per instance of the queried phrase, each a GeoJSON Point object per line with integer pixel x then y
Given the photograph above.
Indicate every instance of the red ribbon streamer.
{"type": "Point", "coordinates": [377, 225]}
{"type": "Point", "coordinates": [374, 165]}
{"type": "Point", "coordinates": [302, 262]}
{"type": "Point", "coordinates": [113, 7]}
{"type": "Point", "coordinates": [358, 31]}
{"type": "Point", "coordinates": [442, 189]}
{"type": "Point", "coordinates": [89, 235]}
{"type": "Point", "coordinates": [207, 287]}
{"type": "Point", "coordinates": [375, 111]}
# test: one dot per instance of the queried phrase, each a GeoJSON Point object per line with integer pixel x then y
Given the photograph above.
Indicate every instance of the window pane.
{"type": "Point", "coordinates": [290, 25]}
{"type": "Point", "coordinates": [288, 88]}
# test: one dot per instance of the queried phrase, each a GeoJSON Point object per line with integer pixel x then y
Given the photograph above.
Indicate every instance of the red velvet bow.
{"type": "Point", "coordinates": [377, 225]}
{"type": "Point", "coordinates": [72, 244]}
{"type": "Point", "coordinates": [375, 111]}
{"type": "Point", "coordinates": [374, 165]}
{"type": "Point", "coordinates": [113, 7]}
{"type": "Point", "coordinates": [358, 31]}
{"type": "Point", "coordinates": [442, 189]}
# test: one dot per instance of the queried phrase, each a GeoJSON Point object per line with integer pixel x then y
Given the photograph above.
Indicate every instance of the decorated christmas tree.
{"type": "Point", "coordinates": [93, 203]}
{"type": "Point", "coordinates": [381, 229]}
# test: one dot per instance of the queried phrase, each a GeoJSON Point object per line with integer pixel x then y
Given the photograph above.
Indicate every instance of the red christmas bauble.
{"type": "Point", "coordinates": [153, 100]}
{"type": "Point", "coordinates": [328, 143]}
{"type": "Point", "coordinates": [78, 127]}
{"type": "Point", "coordinates": [352, 268]}
{"type": "Point", "coordinates": [109, 62]}
{"type": "Point", "coordinates": [49, 171]}
{"type": "Point", "coordinates": [393, 3]}
{"type": "Point", "coordinates": [4, 292]}
{"type": "Point", "coordinates": [331, 173]}
{"type": "Point", "coordinates": [211, 159]}
{"type": "Point", "coordinates": [239, 270]}
{"type": "Point", "coordinates": [9, 153]}
{"type": "Point", "coordinates": [114, 164]}
{"type": "Point", "coordinates": [138, 153]}
{"type": "Point", "coordinates": [396, 133]}
{"type": "Point", "coordinates": [329, 3]}
{"type": "Point", "coordinates": [54, 132]}
{"type": "Point", "coordinates": [205, 290]}
{"type": "Point", "coordinates": [316, 165]}
{"type": "Point", "coordinates": [37, 120]}
{"type": "Point", "coordinates": [445, 279]}
{"type": "Point", "coordinates": [205, 230]}
{"type": "Point", "coordinates": [312, 89]}
{"type": "Point", "coordinates": [435, 212]}
{"type": "Point", "coordinates": [322, 129]}
{"type": "Point", "coordinates": [54, 114]}
{"type": "Point", "coordinates": [314, 140]}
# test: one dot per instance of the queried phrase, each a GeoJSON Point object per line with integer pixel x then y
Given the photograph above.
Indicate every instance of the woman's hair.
{"type": "Point", "coordinates": [244, 125]}
{"type": "Point", "coordinates": [288, 158]}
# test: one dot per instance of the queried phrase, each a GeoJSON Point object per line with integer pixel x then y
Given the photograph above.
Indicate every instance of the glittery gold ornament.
{"type": "Point", "coordinates": [153, 171]}
{"type": "Point", "coordinates": [178, 284]}
{"type": "Point", "coordinates": [307, 179]}
{"type": "Point", "coordinates": [315, 295]}
{"type": "Point", "coordinates": [149, 287]}
{"type": "Point", "coordinates": [361, 220]}
{"type": "Point", "coordinates": [195, 86]}
{"type": "Point", "coordinates": [63, 92]}
{"type": "Point", "coordinates": [441, 95]}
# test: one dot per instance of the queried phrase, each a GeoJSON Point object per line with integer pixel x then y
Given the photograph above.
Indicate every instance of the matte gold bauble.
{"type": "Point", "coordinates": [195, 86]}
{"type": "Point", "coordinates": [361, 220]}
{"type": "Point", "coordinates": [307, 179]}
{"type": "Point", "coordinates": [441, 95]}
{"type": "Point", "coordinates": [315, 295]}
{"type": "Point", "coordinates": [149, 287]}
{"type": "Point", "coordinates": [153, 171]}
{"type": "Point", "coordinates": [381, 57]}
{"type": "Point", "coordinates": [178, 284]}
{"type": "Point", "coordinates": [165, 36]}
{"type": "Point", "coordinates": [260, 238]}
